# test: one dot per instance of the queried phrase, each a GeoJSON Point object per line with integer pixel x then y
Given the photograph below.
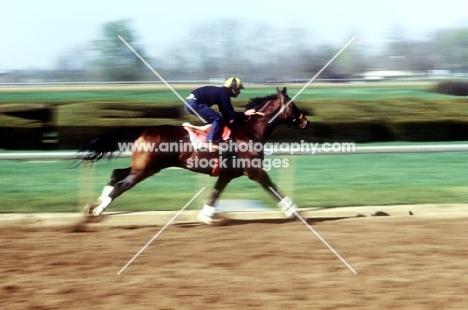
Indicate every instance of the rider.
{"type": "Point", "coordinates": [201, 99]}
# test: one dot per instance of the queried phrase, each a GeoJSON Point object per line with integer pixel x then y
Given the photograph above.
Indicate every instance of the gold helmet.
{"type": "Point", "coordinates": [234, 82]}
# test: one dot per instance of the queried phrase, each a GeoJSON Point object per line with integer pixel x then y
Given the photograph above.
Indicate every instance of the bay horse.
{"type": "Point", "coordinates": [145, 163]}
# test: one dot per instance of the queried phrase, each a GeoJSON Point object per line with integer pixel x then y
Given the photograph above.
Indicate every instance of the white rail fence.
{"type": "Point", "coordinates": [277, 151]}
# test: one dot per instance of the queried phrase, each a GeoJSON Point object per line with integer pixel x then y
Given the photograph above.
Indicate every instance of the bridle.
{"type": "Point", "coordinates": [296, 119]}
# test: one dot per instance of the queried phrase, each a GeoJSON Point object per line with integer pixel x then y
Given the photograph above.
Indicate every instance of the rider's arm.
{"type": "Point", "coordinates": [226, 109]}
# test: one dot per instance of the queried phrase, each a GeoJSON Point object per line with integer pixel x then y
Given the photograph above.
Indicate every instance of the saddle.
{"type": "Point", "coordinates": [198, 133]}
{"type": "Point", "coordinates": [198, 138]}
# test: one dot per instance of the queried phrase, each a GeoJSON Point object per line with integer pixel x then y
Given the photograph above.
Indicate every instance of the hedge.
{"type": "Point", "coordinates": [27, 126]}
{"type": "Point", "coordinates": [456, 88]}
{"type": "Point", "coordinates": [69, 125]}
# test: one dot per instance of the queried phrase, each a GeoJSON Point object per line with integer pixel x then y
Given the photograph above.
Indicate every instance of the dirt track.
{"type": "Point", "coordinates": [401, 263]}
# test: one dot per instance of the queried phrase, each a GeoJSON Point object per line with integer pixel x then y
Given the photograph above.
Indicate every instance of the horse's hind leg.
{"type": "Point", "coordinates": [124, 184]}
{"type": "Point", "coordinates": [117, 176]}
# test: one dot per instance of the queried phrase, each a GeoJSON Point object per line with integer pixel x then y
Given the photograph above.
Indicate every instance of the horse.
{"type": "Point", "coordinates": [145, 163]}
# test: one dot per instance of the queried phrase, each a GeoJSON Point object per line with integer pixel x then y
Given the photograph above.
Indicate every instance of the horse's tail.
{"type": "Point", "coordinates": [105, 145]}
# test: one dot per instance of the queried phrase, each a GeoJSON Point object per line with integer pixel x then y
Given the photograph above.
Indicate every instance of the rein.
{"type": "Point", "coordinates": [258, 113]}
{"type": "Point", "coordinates": [263, 114]}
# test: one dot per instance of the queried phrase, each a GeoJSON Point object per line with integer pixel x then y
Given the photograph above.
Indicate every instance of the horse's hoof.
{"type": "Point", "coordinates": [220, 221]}
{"type": "Point", "coordinates": [88, 211]}
{"type": "Point", "coordinates": [214, 220]}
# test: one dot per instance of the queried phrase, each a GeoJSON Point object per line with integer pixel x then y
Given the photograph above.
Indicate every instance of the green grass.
{"type": "Point", "coordinates": [317, 181]}
{"type": "Point", "coordinates": [58, 96]}
{"type": "Point", "coordinates": [371, 91]}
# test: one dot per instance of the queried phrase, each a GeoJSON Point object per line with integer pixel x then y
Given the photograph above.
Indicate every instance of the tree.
{"type": "Point", "coordinates": [452, 47]}
{"type": "Point", "coordinates": [219, 49]}
{"type": "Point", "coordinates": [115, 61]}
{"type": "Point", "coordinates": [72, 65]}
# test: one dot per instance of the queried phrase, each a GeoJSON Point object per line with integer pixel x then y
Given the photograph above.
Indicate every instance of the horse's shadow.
{"type": "Point", "coordinates": [238, 222]}
{"type": "Point", "coordinates": [226, 221]}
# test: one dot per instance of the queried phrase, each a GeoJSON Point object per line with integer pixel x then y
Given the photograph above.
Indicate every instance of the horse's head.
{"type": "Point", "coordinates": [279, 108]}
{"type": "Point", "coordinates": [288, 112]}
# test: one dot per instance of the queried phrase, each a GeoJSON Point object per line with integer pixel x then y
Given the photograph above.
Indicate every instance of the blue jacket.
{"type": "Point", "coordinates": [220, 96]}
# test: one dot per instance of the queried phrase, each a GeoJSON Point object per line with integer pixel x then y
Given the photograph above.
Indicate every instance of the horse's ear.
{"type": "Point", "coordinates": [284, 91]}
{"type": "Point", "coordinates": [278, 91]}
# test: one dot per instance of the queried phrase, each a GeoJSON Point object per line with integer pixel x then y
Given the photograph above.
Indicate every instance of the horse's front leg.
{"type": "Point", "coordinates": [286, 204]}
{"type": "Point", "coordinates": [207, 215]}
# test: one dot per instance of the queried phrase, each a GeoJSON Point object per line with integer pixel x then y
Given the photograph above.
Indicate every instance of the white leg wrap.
{"type": "Point", "coordinates": [288, 207]}
{"type": "Point", "coordinates": [206, 214]}
{"type": "Point", "coordinates": [106, 201]}
{"type": "Point", "coordinates": [106, 191]}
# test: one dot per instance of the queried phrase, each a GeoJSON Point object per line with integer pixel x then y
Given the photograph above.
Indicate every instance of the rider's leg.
{"type": "Point", "coordinates": [210, 116]}
{"type": "Point", "coordinates": [216, 129]}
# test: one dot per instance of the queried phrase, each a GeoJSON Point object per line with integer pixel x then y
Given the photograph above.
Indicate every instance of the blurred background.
{"type": "Point", "coordinates": [55, 41]}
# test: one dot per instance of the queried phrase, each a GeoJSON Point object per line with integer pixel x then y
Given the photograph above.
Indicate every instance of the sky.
{"type": "Point", "coordinates": [34, 34]}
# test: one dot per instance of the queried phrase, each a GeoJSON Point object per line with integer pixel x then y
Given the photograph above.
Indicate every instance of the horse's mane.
{"type": "Point", "coordinates": [259, 102]}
